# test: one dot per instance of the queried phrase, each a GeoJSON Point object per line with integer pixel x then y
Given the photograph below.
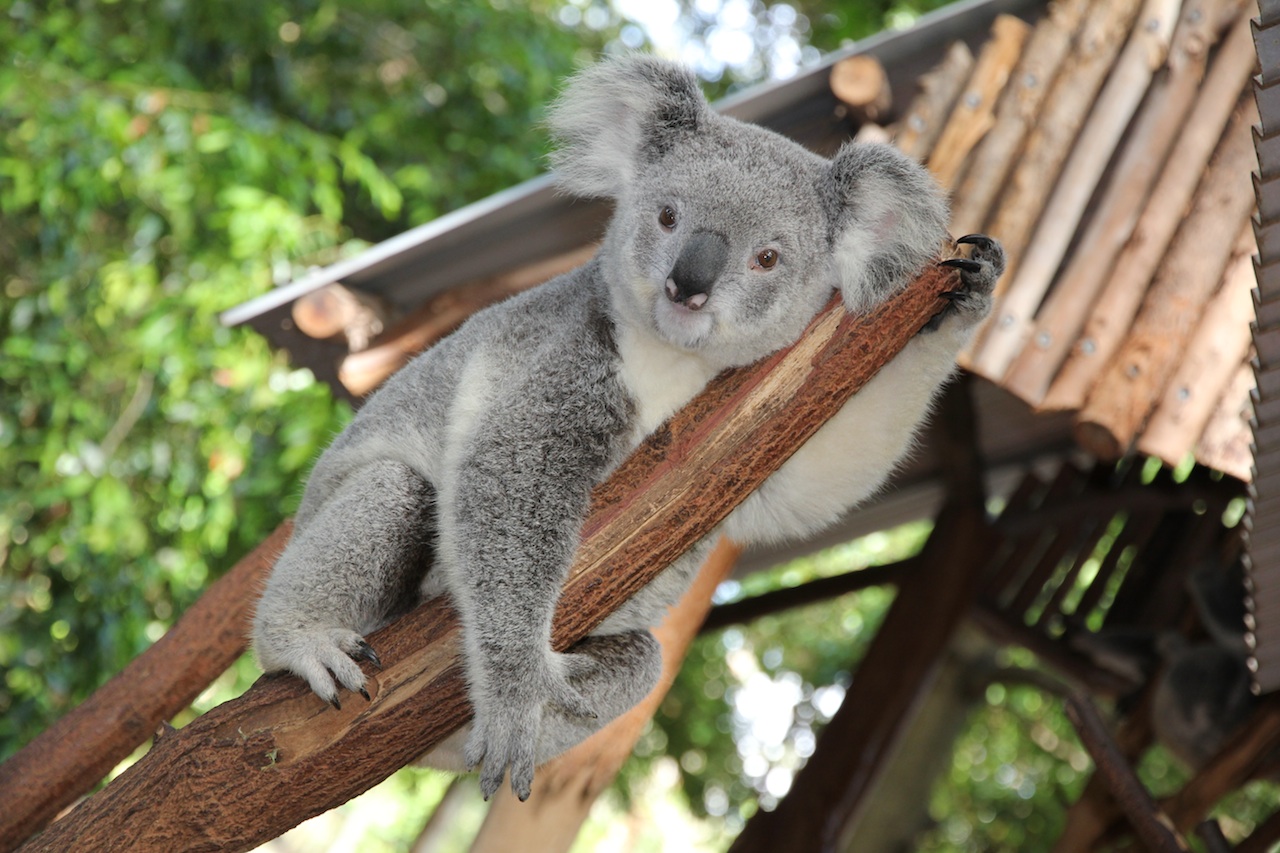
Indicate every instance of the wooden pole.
{"type": "Point", "coordinates": [1220, 345]}
{"type": "Point", "coordinates": [1128, 389]}
{"type": "Point", "coordinates": [860, 83]}
{"type": "Point", "coordinates": [260, 764]}
{"type": "Point", "coordinates": [1016, 113]}
{"type": "Point", "coordinates": [1115, 308]}
{"type": "Point", "coordinates": [973, 114]}
{"type": "Point", "coordinates": [1109, 117]}
{"type": "Point", "coordinates": [919, 129]}
{"type": "Point", "coordinates": [77, 751]}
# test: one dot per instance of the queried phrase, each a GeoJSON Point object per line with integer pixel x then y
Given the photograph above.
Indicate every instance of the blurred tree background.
{"type": "Point", "coordinates": [161, 161]}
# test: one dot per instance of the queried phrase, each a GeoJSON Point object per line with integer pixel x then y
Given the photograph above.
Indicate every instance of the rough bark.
{"type": "Point", "coordinates": [77, 751]}
{"type": "Point", "coordinates": [262, 763]}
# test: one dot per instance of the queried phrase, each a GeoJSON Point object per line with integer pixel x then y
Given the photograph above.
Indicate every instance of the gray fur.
{"type": "Point", "coordinates": [470, 471]}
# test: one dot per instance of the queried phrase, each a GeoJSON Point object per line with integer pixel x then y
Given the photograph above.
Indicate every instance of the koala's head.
{"type": "Point", "coordinates": [727, 238]}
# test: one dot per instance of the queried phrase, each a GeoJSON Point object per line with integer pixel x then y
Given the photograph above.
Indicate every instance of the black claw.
{"type": "Point", "coordinates": [365, 694]}
{"type": "Point", "coordinates": [954, 295]}
{"type": "Point", "coordinates": [335, 703]}
{"type": "Point", "coordinates": [366, 652]}
{"type": "Point", "coordinates": [962, 264]}
{"type": "Point", "coordinates": [982, 241]}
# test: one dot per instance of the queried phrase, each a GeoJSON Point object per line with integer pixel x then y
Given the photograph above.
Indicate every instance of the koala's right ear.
{"type": "Point", "coordinates": [618, 114]}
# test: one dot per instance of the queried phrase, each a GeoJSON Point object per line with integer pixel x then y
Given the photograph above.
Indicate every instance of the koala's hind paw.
{"type": "Point", "coordinates": [971, 301]}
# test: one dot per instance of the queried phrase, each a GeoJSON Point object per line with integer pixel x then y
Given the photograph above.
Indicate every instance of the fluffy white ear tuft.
{"type": "Point", "coordinates": [889, 219]}
{"type": "Point", "coordinates": [618, 114]}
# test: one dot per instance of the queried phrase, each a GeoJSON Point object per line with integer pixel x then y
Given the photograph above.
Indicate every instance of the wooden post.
{"type": "Point", "coordinates": [1159, 124]}
{"type": "Point", "coordinates": [1145, 51]}
{"type": "Point", "coordinates": [860, 83]}
{"type": "Point", "coordinates": [1133, 383]}
{"type": "Point", "coordinates": [565, 788]}
{"type": "Point", "coordinates": [77, 751]}
{"type": "Point", "coordinates": [260, 764]}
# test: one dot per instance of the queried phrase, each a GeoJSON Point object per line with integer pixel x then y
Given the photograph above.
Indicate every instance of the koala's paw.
{"type": "Point", "coordinates": [971, 301]}
{"type": "Point", "coordinates": [326, 658]}
{"type": "Point", "coordinates": [504, 733]}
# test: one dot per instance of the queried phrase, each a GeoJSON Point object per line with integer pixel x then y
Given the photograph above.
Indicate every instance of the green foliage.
{"type": "Point", "coordinates": [160, 162]}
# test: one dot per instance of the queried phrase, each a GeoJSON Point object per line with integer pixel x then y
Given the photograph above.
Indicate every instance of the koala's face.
{"type": "Point", "coordinates": [721, 246]}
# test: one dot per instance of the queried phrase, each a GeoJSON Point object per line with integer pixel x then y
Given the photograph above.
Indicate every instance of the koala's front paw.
{"type": "Point", "coordinates": [323, 657]}
{"type": "Point", "coordinates": [971, 302]}
{"type": "Point", "coordinates": [504, 733]}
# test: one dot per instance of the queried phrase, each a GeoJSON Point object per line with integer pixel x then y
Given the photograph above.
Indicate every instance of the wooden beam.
{"type": "Point", "coordinates": [262, 763]}
{"type": "Point", "coordinates": [66, 760]}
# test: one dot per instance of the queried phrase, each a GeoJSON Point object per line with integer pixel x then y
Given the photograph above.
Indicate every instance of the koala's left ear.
{"type": "Point", "coordinates": [618, 114]}
{"type": "Point", "coordinates": [888, 219]}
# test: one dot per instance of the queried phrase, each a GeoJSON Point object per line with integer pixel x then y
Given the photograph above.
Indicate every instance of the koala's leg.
{"type": "Point", "coordinates": [353, 567]}
{"type": "Point", "coordinates": [853, 453]}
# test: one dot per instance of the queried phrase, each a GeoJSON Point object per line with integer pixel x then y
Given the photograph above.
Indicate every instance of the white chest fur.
{"type": "Point", "coordinates": [660, 377]}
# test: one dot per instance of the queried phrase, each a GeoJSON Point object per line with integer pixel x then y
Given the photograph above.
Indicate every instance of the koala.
{"type": "Point", "coordinates": [469, 472]}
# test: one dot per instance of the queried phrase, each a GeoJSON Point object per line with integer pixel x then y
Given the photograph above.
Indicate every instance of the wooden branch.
{"type": "Point", "coordinates": [1131, 385]}
{"type": "Point", "coordinates": [1173, 194]}
{"type": "Point", "coordinates": [1105, 29]}
{"type": "Point", "coordinates": [973, 115]}
{"type": "Point", "coordinates": [919, 129]}
{"type": "Point", "coordinates": [860, 83]}
{"type": "Point", "coordinates": [1108, 119]}
{"type": "Point", "coordinates": [1220, 345]}
{"type": "Point", "coordinates": [77, 751]}
{"type": "Point", "coordinates": [565, 788]}
{"type": "Point", "coordinates": [1016, 113]}
{"type": "Point", "coordinates": [1159, 124]}
{"type": "Point", "coordinates": [1149, 823]}
{"type": "Point", "coordinates": [255, 766]}
{"type": "Point", "coordinates": [362, 372]}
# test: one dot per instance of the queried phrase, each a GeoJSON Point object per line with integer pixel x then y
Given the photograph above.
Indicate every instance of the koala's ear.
{"type": "Point", "coordinates": [618, 114]}
{"type": "Point", "coordinates": [888, 219]}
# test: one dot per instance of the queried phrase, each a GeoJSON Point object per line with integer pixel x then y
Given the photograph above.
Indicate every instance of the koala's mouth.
{"type": "Point", "coordinates": [685, 322]}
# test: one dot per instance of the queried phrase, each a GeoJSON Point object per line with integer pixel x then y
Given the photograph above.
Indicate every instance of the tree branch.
{"type": "Point", "coordinates": [260, 764]}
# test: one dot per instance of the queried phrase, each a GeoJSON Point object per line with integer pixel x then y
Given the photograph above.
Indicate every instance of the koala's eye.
{"type": "Point", "coordinates": [767, 259]}
{"type": "Point", "coordinates": [667, 218]}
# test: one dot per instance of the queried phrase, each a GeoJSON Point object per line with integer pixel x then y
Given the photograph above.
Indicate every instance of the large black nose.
{"type": "Point", "coordinates": [700, 263]}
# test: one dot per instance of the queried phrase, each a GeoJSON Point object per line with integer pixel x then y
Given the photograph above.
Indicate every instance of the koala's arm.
{"type": "Point", "coordinates": [852, 455]}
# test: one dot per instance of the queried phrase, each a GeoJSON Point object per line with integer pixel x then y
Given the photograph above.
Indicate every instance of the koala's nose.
{"type": "Point", "coordinates": [701, 262]}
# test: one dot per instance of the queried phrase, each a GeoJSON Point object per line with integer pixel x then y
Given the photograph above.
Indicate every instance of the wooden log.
{"type": "Point", "coordinates": [335, 310]}
{"type": "Point", "coordinates": [1227, 442]}
{"type": "Point", "coordinates": [1160, 124]}
{"type": "Point", "coordinates": [1220, 345]}
{"type": "Point", "coordinates": [1114, 310]}
{"type": "Point", "coordinates": [1105, 28]}
{"type": "Point", "coordinates": [1128, 389]}
{"type": "Point", "coordinates": [362, 372]}
{"type": "Point", "coordinates": [860, 83]}
{"type": "Point", "coordinates": [1016, 113]}
{"type": "Point", "coordinates": [565, 788]}
{"type": "Point", "coordinates": [919, 129]}
{"type": "Point", "coordinates": [1149, 823]}
{"type": "Point", "coordinates": [258, 765]}
{"type": "Point", "coordinates": [66, 760]}
{"type": "Point", "coordinates": [1145, 51]}
{"type": "Point", "coordinates": [974, 112]}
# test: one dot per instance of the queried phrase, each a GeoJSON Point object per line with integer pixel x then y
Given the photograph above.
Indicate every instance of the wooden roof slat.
{"type": "Point", "coordinates": [1108, 118]}
{"type": "Point", "coordinates": [1225, 444]}
{"type": "Point", "coordinates": [1184, 173]}
{"type": "Point", "coordinates": [1016, 113]}
{"type": "Point", "coordinates": [922, 124]}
